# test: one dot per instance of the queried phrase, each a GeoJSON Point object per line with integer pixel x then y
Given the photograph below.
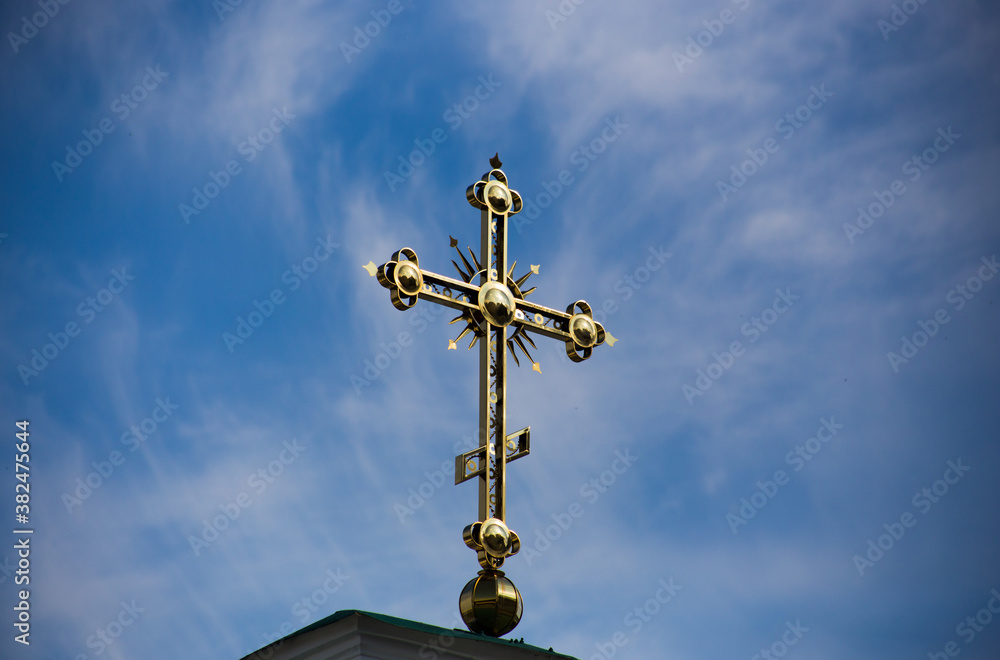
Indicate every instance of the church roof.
{"type": "Point", "coordinates": [356, 634]}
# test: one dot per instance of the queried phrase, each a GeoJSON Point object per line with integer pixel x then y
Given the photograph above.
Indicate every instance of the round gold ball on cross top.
{"type": "Point", "coordinates": [498, 197]}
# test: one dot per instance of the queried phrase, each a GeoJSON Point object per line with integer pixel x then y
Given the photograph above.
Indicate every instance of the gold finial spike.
{"type": "Point", "coordinates": [452, 346]}
{"type": "Point", "coordinates": [371, 268]}
{"type": "Point", "coordinates": [511, 271]}
{"type": "Point", "coordinates": [454, 241]}
{"type": "Point", "coordinates": [608, 337]}
{"type": "Point", "coordinates": [475, 260]}
{"type": "Point", "coordinates": [537, 367]}
{"type": "Point", "coordinates": [534, 269]}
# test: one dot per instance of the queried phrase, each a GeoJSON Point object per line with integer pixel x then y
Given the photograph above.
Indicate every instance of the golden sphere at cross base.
{"type": "Point", "coordinates": [490, 604]}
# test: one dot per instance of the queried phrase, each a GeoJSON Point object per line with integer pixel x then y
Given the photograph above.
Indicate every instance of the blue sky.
{"type": "Point", "coordinates": [821, 175]}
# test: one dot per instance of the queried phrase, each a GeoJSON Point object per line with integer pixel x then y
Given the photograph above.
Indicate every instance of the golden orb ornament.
{"type": "Point", "coordinates": [495, 537]}
{"type": "Point", "coordinates": [408, 278]}
{"type": "Point", "coordinates": [490, 604]}
{"type": "Point", "coordinates": [583, 330]}
{"type": "Point", "coordinates": [496, 302]}
{"type": "Point", "coordinates": [497, 197]}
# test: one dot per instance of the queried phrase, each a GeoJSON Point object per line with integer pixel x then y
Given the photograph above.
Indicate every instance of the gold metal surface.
{"type": "Point", "coordinates": [491, 604]}
{"type": "Point", "coordinates": [489, 300]}
{"type": "Point", "coordinates": [473, 463]}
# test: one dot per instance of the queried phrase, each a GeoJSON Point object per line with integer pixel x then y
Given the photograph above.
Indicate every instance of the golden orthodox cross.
{"type": "Point", "coordinates": [489, 300]}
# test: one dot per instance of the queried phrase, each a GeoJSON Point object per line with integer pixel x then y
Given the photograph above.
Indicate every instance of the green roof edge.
{"type": "Point", "coordinates": [423, 627]}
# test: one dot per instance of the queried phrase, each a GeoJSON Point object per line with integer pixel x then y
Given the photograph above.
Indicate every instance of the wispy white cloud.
{"type": "Point", "coordinates": [334, 507]}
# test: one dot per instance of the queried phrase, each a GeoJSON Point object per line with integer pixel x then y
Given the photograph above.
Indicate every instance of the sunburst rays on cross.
{"type": "Point", "coordinates": [467, 271]}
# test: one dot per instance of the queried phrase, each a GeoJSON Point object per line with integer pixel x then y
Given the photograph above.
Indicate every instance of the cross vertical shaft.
{"type": "Point", "coordinates": [493, 374]}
